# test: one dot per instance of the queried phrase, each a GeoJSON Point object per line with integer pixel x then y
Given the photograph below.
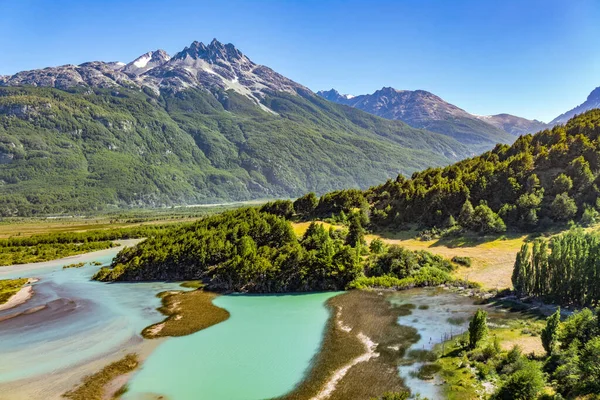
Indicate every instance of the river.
{"type": "Point", "coordinates": [262, 351]}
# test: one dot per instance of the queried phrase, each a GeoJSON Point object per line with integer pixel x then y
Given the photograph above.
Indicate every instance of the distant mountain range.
{"type": "Point", "coordinates": [593, 101]}
{"type": "Point", "coordinates": [422, 109]}
{"type": "Point", "coordinates": [204, 125]}
{"type": "Point", "coordinates": [209, 125]}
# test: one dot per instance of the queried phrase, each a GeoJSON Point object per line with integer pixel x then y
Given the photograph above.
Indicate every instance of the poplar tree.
{"type": "Point", "coordinates": [550, 332]}
{"type": "Point", "coordinates": [478, 328]}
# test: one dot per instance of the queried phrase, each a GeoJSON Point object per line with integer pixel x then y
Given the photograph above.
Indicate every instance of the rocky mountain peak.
{"type": "Point", "coordinates": [595, 95]}
{"type": "Point", "coordinates": [592, 101]}
{"type": "Point", "coordinates": [214, 67]}
{"type": "Point", "coordinates": [146, 62]}
{"type": "Point", "coordinates": [213, 53]}
{"type": "Point", "coordinates": [331, 95]}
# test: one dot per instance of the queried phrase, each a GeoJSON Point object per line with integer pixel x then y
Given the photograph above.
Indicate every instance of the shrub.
{"type": "Point", "coordinates": [466, 261]}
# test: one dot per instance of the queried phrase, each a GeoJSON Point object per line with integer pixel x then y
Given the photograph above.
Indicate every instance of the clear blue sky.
{"type": "Point", "coordinates": [533, 58]}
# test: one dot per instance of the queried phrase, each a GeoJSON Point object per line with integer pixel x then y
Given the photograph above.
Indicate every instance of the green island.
{"type": "Point", "coordinates": [187, 312]}
{"type": "Point", "coordinates": [74, 265]}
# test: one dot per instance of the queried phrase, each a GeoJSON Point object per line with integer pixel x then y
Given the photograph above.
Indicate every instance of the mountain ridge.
{"type": "Point", "coordinates": [206, 125]}
{"type": "Point", "coordinates": [592, 101]}
{"type": "Point", "coordinates": [423, 109]}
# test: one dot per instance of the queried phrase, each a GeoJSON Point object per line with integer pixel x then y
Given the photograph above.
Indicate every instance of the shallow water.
{"type": "Point", "coordinates": [437, 316]}
{"type": "Point", "coordinates": [261, 351]}
{"type": "Point", "coordinates": [82, 320]}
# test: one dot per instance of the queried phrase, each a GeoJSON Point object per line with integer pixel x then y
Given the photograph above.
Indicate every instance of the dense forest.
{"type": "Point", "coordinates": [543, 179]}
{"type": "Point", "coordinates": [251, 250]}
{"type": "Point", "coordinates": [565, 270]}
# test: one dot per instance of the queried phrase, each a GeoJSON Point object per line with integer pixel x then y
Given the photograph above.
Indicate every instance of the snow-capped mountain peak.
{"type": "Point", "coordinates": [146, 62]}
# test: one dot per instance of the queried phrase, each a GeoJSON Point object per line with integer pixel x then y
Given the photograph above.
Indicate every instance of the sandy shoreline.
{"type": "Point", "coordinates": [24, 294]}
{"type": "Point", "coordinates": [339, 374]}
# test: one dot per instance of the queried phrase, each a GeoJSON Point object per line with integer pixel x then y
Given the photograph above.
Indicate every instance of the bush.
{"type": "Point", "coordinates": [524, 384]}
{"type": "Point", "coordinates": [465, 261]}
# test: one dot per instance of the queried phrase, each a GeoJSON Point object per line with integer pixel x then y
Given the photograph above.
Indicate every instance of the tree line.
{"type": "Point", "coordinates": [564, 270]}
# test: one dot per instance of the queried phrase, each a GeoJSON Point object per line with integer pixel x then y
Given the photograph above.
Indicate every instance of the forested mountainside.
{"type": "Point", "coordinates": [422, 109]}
{"type": "Point", "coordinates": [204, 125]}
{"type": "Point", "coordinates": [551, 176]}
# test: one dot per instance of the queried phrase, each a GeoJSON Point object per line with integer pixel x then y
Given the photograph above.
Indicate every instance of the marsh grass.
{"type": "Point", "coordinates": [75, 265]}
{"type": "Point", "coordinates": [427, 371]}
{"type": "Point", "coordinates": [9, 287]}
{"type": "Point", "coordinates": [187, 313]}
{"type": "Point", "coordinates": [366, 312]}
{"type": "Point", "coordinates": [94, 386]}
{"type": "Point", "coordinates": [193, 284]}
{"type": "Point", "coordinates": [460, 382]}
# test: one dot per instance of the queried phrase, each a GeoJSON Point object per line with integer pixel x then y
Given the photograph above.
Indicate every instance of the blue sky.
{"type": "Point", "coordinates": [531, 58]}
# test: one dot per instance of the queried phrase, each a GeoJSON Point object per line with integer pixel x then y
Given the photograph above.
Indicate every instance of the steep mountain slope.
{"type": "Point", "coordinates": [205, 125]}
{"type": "Point", "coordinates": [425, 110]}
{"type": "Point", "coordinates": [512, 124]}
{"type": "Point", "coordinates": [593, 101]}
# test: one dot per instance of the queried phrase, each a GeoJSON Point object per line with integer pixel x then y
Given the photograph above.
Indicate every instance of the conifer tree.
{"type": "Point", "coordinates": [466, 214]}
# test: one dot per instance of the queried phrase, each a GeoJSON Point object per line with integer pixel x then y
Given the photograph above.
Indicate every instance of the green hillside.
{"type": "Point", "coordinates": [89, 149]}
{"type": "Point", "coordinates": [541, 179]}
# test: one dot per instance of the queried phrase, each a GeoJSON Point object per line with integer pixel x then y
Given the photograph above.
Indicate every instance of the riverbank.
{"type": "Point", "coordinates": [14, 292]}
{"type": "Point", "coordinates": [24, 269]}
{"type": "Point", "coordinates": [24, 294]}
{"type": "Point", "coordinates": [362, 343]}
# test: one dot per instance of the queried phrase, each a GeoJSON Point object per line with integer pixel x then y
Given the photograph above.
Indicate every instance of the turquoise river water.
{"type": "Point", "coordinates": [262, 351]}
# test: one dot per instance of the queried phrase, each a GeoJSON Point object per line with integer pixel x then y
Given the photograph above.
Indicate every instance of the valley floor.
{"type": "Point", "coordinates": [363, 341]}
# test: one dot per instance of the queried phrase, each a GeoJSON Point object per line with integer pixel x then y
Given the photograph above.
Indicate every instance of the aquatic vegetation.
{"type": "Point", "coordinates": [356, 315]}
{"type": "Point", "coordinates": [9, 287]}
{"type": "Point", "coordinates": [94, 386]}
{"type": "Point", "coordinates": [193, 284]}
{"type": "Point", "coordinates": [188, 312]}
{"type": "Point", "coordinates": [428, 371]}
{"type": "Point", "coordinates": [75, 265]}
